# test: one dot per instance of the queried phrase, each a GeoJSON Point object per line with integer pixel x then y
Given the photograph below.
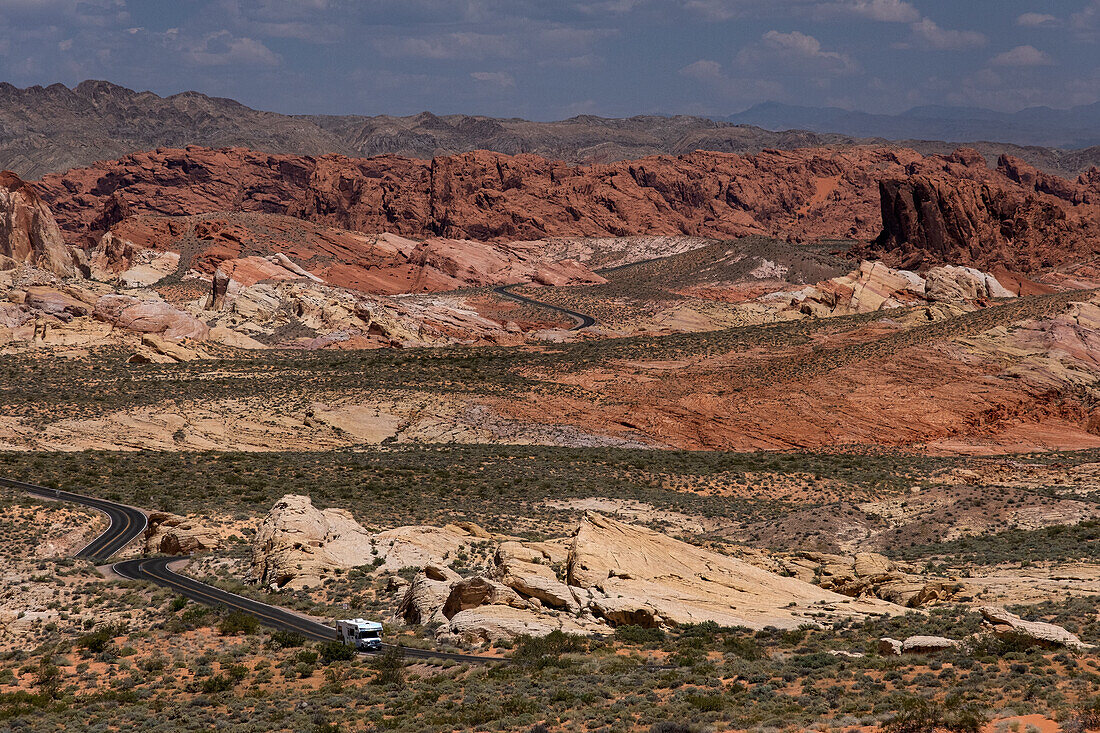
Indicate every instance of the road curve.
{"type": "Point", "coordinates": [156, 570]}
{"type": "Point", "coordinates": [127, 522]}
{"type": "Point", "coordinates": [582, 320]}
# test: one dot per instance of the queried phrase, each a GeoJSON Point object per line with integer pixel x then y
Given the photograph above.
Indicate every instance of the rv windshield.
{"type": "Point", "coordinates": [368, 634]}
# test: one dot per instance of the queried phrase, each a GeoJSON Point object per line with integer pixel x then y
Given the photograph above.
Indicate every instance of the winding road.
{"type": "Point", "coordinates": [582, 320]}
{"type": "Point", "coordinates": [128, 522]}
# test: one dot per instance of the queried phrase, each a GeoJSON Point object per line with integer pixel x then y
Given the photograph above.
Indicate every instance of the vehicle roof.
{"type": "Point", "coordinates": [361, 623]}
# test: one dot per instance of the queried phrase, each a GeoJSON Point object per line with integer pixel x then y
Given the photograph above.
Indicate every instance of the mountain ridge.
{"type": "Point", "coordinates": [1076, 127]}
{"type": "Point", "coordinates": [54, 128]}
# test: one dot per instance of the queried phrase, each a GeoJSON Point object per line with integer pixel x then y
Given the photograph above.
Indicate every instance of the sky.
{"type": "Point", "coordinates": [552, 59]}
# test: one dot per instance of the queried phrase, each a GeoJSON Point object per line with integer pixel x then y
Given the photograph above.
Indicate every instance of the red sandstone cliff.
{"type": "Point", "coordinates": [923, 210]}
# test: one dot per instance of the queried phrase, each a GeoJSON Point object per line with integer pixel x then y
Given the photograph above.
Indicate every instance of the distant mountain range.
{"type": "Point", "coordinates": [55, 128]}
{"type": "Point", "coordinates": [1078, 127]}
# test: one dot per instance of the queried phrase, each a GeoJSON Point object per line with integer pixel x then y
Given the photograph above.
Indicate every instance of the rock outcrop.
{"type": "Point", "coordinates": [1011, 628]}
{"type": "Point", "coordinates": [869, 574]}
{"type": "Point", "coordinates": [1016, 218]}
{"type": "Point", "coordinates": [617, 574]}
{"type": "Point", "coordinates": [928, 209]}
{"type": "Point", "coordinates": [927, 645]}
{"type": "Point", "coordinates": [28, 233]}
{"type": "Point", "coordinates": [156, 349]}
{"type": "Point", "coordinates": [874, 286]}
{"type": "Point", "coordinates": [298, 545]}
{"type": "Point", "coordinates": [527, 570]}
{"type": "Point", "coordinates": [149, 316]}
{"type": "Point", "coordinates": [633, 575]}
{"type": "Point", "coordinates": [175, 535]}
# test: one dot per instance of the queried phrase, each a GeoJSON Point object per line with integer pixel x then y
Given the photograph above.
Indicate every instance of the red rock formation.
{"type": "Point", "coordinates": [28, 232]}
{"type": "Point", "coordinates": [937, 209]}
{"type": "Point", "coordinates": [933, 219]}
{"type": "Point", "coordinates": [492, 197]}
{"type": "Point", "coordinates": [246, 246]}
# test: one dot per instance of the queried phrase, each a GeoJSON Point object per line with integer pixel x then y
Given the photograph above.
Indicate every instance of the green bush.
{"type": "Point", "coordinates": [390, 667]}
{"type": "Point", "coordinates": [286, 640]}
{"type": "Point", "coordinates": [97, 641]}
{"type": "Point", "coordinates": [546, 651]}
{"type": "Point", "coordinates": [335, 651]}
{"type": "Point", "coordinates": [631, 634]}
{"type": "Point", "coordinates": [217, 683]}
{"type": "Point", "coordinates": [238, 622]}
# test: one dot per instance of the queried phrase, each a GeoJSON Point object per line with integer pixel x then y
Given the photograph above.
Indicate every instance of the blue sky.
{"type": "Point", "coordinates": [550, 59]}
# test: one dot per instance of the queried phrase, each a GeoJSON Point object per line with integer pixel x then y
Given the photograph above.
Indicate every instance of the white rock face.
{"type": "Point", "coordinates": [952, 283]}
{"type": "Point", "coordinates": [616, 574]}
{"type": "Point", "coordinates": [927, 644]}
{"type": "Point", "coordinates": [28, 233]}
{"type": "Point", "coordinates": [419, 545]}
{"type": "Point", "coordinates": [1010, 627]}
{"type": "Point", "coordinates": [639, 576]}
{"type": "Point", "coordinates": [298, 544]}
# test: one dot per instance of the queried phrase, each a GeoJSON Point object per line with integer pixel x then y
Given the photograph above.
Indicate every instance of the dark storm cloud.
{"type": "Point", "coordinates": [553, 58]}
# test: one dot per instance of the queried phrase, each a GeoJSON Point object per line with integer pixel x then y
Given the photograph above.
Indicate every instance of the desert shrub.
{"type": "Point", "coordinates": [217, 683]}
{"type": "Point", "coordinates": [921, 715]}
{"type": "Point", "coordinates": [286, 640]}
{"type": "Point", "coordinates": [97, 641]}
{"type": "Point", "coordinates": [915, 715]}
{"type": "Point", "coordinates": [670, 727]}
{"type": "Point", "coordinates": [335, 651]}
{"type": "Point", "coordinates": [1085, 717]}
{"type": "Point", "coordinates": [707, 703]}
{"type": "Point", "coordinates": [238, 622]}
{"type": "Point", "coordinates": [547, 651]}
{"type": "Point", "coordinates": [390, 667]}
{"type": "Point", "coordinates": [747, 649]}
{"type": "Point", "coordinates": [631, 634]}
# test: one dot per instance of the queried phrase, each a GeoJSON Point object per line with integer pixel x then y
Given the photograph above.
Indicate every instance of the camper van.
{"type": "Point", "coordinates": [362, 634]}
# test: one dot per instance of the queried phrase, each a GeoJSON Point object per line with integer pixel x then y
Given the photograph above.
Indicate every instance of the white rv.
{"type": "Point", "coordinates": [360, 633]}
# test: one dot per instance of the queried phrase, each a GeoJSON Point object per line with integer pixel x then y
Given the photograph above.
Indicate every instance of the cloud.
{"type": "Point", "coordinates": [1038, 20]}
{"type": "Point", "coordinates": [927, 33]}
{"type": "Point", "coordinates": [584, 61]}
{"type": "Point", "coordinates": [794, 52]}
{"type": "Point", "coordinates": [546, 41]}
{"type": "Point", "coordinates": [498, 79]}
{"type": "Point", "coordinates": [1086, 24]}
{"type": "Point", "coordinates": [1022, 56]}
{"type": "Point", "coordinates": [222, 48]}
{"type": "Point", "coordinates": [703, 70]}
{"type": "Point", "coordinates": [451, 46]}
{"type": "Point", "coordinates": [885, 11]}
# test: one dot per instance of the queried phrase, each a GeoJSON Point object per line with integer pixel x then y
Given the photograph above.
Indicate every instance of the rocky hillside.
{"type": "Point", "coordinates": [935, 208]}
{"type": "Point", "coordinates": [1040, 222]}
{"type": "Point", "coordinates": [612, 574]}
{"type": "Point", "coordinates": [54, 128]}
{"type": "Point", "coordinates": [28, 232]}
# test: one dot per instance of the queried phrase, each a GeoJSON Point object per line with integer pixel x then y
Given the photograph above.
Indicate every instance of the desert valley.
{"type": "Point", "coordinates": [659, 423]}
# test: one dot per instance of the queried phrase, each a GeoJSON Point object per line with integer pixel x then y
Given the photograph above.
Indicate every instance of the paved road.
{"type": "Point", "coordinates": [582, 320]}
{"type": "Point", "coordinates": [156, 570]}
{"type": "Point", "coordinates": [128, 522]}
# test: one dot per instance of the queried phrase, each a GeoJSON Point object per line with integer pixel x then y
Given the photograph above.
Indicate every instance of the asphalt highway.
{"type": "Point", "coordinates": [128, 522]}
{"type": "Point", "coordinates": [582, 320]}
{"type": "Point", "coordinates": [156, 570]}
